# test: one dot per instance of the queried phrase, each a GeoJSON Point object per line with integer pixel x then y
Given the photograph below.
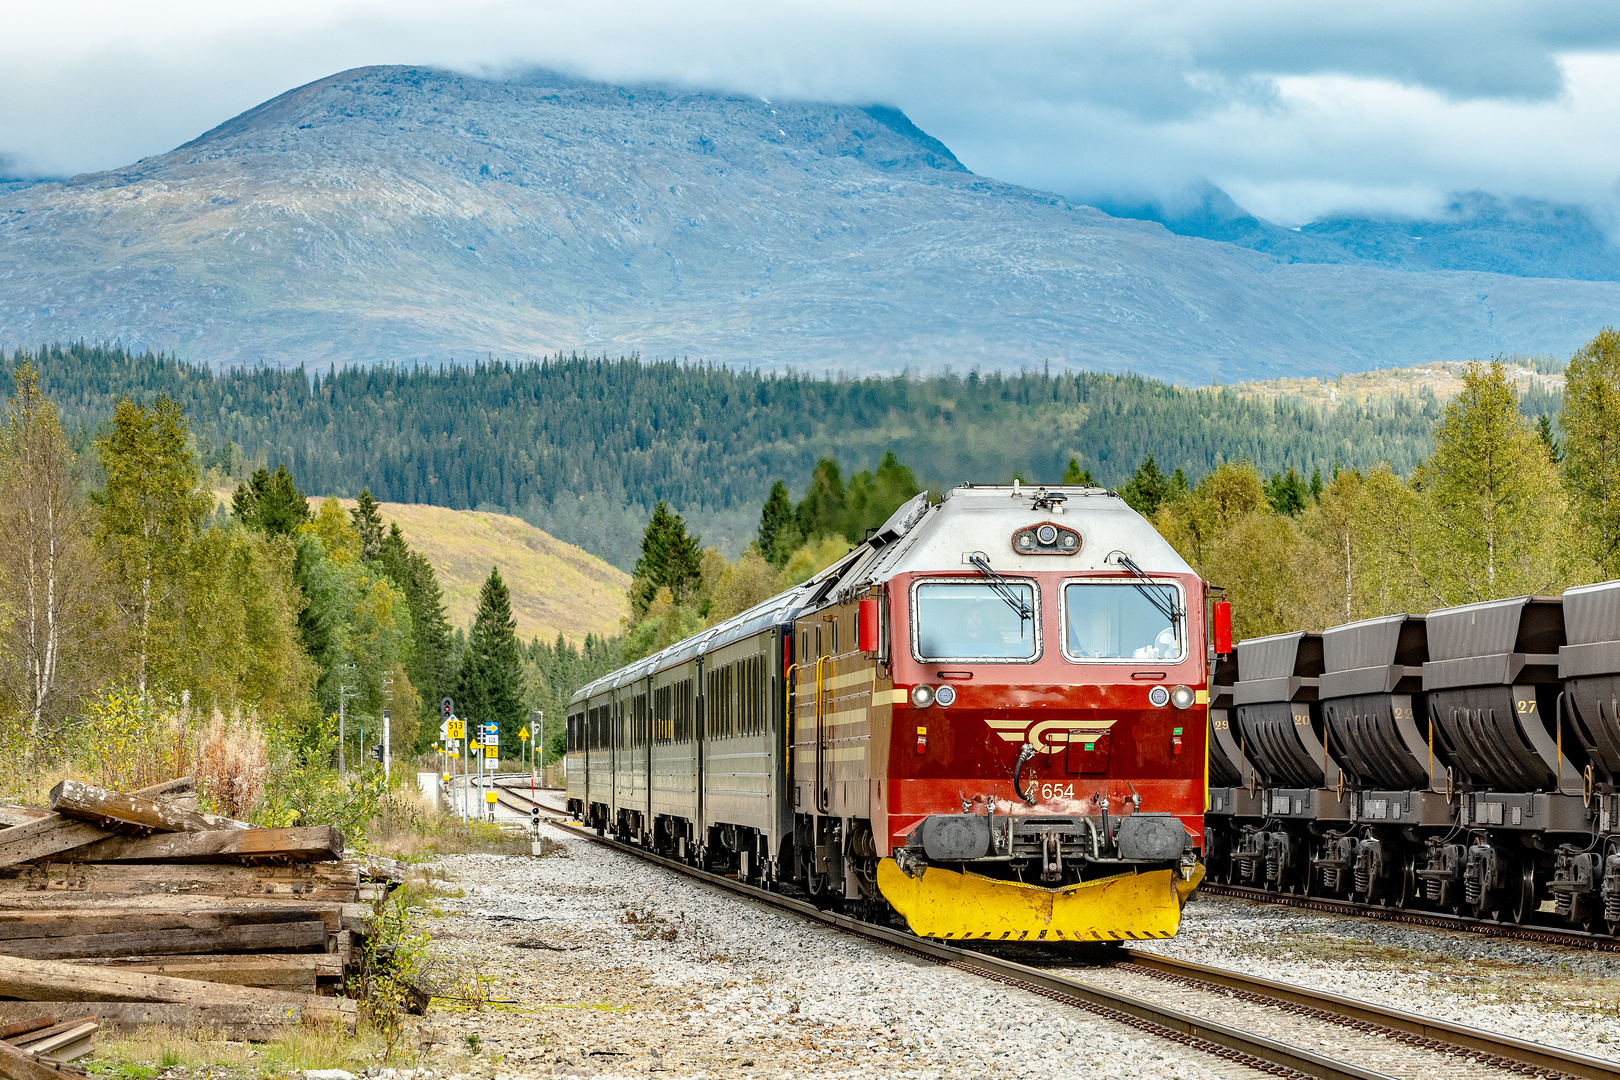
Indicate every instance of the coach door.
{"type": "Point", "coordinates": [700, 735]}
{"type": "Point", "coordinates": [824, 665]}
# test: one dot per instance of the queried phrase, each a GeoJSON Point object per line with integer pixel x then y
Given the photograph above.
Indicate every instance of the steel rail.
{"type": "Point", "coordinates": [1575, 939]}
{"type": "Point", "coordinates": [1198, 1033]}
{"type": "Point", "coordinates": [1487, 1047]}
{"type": "Point", "coordinates": [1435, 1034]}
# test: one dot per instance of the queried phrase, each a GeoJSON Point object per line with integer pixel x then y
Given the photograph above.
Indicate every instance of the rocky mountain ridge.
{"type": "Point", "coordinates": [404, 214]}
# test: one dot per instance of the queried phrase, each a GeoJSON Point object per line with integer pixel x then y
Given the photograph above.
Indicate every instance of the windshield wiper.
{"type": "Point", "coordinates": [1160, 595]}
{"type": "Point", "coordinates": [1002, 588]}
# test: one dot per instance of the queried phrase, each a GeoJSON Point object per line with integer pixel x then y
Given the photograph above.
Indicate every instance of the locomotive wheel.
{"type": "Point", "coordinates": [1524, 897]}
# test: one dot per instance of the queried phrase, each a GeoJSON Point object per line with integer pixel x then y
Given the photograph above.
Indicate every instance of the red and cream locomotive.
{"type": "Point", "coordinates": [990, 717]}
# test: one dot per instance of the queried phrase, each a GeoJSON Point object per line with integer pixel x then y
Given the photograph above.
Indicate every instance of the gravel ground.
{"type": "Point", "coordinates": [595, 964]}
{"type": "Point", "coordinates": [1544, 993]}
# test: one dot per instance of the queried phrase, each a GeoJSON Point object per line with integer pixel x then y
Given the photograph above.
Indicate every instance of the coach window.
{"type": "Point", "coordinates": [974, 620]}
{"type": "Point", "coordinates": [1123, 621]}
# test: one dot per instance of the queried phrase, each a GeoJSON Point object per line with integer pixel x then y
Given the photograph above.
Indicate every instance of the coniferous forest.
{"type": "Point", "coordinates": [584, 447]}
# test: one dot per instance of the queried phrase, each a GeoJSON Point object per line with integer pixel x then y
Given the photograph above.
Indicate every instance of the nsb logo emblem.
{"type": "Point", "coordinates": [1046, 736]}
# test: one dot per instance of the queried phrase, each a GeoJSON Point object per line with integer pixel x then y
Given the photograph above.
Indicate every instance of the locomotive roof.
{"type": "Point", "coordinates": [937, 537]}
{"type": "Point", "coordinates": [985, 518]}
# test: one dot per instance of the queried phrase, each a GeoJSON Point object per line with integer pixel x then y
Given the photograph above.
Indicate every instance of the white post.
{"type": "Point", "coordinates": [387, 748]}
{"type": "Point", "coordinates": [342, 768]}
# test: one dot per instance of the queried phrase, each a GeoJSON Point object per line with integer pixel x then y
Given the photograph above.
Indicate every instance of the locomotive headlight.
{"type": "Point", "coordinates": [923, 696]}
{"type": "Point", "coordinates": [1181, 697]}
{"type": "Point", "coordinates": [945, 695]}
{"type": "Point", "coordinates": [1046, 534]}
{"type": "Point", "coordinates": [1158, 697]}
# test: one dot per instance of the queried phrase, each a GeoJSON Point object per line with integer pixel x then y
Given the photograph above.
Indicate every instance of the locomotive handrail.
{"type": "Point", "coordinates": [790, 723]}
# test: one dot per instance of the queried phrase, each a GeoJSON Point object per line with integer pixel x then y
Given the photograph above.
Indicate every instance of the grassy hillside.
{"type": "Point", "coordinates": [555, 586]}
{"type": "Point", "coordinates": [1367, 388]}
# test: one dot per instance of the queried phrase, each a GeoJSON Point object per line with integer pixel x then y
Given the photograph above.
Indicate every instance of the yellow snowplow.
{"type": "Point", "coordinates": [942, 903]}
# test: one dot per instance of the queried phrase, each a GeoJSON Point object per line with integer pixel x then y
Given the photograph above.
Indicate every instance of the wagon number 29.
{"type": "Point", "coordinates": [1057, 791]}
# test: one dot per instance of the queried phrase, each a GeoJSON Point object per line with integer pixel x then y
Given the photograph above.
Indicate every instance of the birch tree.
{"type": "Point", "coordinates": [46, 563]}
{"type": "Point", "coordinates": [150, 511]}
{"type": "Point", "coordinates": [1497, 501]}
{"type": "Point", "coordinates": [1591, 424]}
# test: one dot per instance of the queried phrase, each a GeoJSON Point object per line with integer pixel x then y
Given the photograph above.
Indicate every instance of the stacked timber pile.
{"type": "Point", "coordinates": [124, 909]}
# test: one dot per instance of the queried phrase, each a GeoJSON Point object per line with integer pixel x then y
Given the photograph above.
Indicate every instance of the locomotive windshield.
{"type": "Point", "coordinates": [972, 621]}
{"type": "Point", "coordinates": [1115, 621]}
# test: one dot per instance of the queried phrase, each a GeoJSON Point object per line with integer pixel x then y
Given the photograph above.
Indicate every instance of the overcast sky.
{"type": "Point", "coordinates": [1297, 110]}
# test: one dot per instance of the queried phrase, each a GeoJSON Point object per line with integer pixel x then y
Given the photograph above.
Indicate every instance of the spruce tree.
{"type": "Point", "coordinates": [1287, 492]}
{"type": "Point", "coordinates": [1075, 475]}
{"type": "Point", "coordinates": [1544, 432]}
{"type": "Point", "coordinates": [775, 520]}
{"type": "Point", "coordinates": [430, 668]}
{"type": "Point", "coordinates": [489, 686]}
{"type": "Point", "coordinates": [821, 511]}
{"type": "Point", "coordinates": [670, 556]}
{"type": "Point", "coordinates": [1147, 488]}
{"type": "Point", "coordinates": [368, 523]}
{"type": "Point", "coordinates": [270, 502]}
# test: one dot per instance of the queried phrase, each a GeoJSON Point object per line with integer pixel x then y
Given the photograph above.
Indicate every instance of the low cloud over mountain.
{"type": "Point", "coordinates": [407, 214]}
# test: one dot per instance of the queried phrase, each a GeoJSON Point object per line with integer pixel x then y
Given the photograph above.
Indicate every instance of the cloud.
{"type": "Point", "coordinates": [1299, 109]}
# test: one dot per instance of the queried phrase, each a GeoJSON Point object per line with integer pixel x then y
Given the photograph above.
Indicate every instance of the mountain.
{"type": "Point", "coordinates": [399, 214]}
{"type": "Point", "coordinates": [556, 587]}
{"type": "Point", "coordinates": [1475, 231]}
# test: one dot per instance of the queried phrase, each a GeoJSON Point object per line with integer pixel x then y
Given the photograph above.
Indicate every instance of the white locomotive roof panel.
{"type": "Point", "coordinates": [985, 519]}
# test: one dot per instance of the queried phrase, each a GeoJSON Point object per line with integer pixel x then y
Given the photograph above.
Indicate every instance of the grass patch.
{"type": "Point", "coordinates": [150, 1052]}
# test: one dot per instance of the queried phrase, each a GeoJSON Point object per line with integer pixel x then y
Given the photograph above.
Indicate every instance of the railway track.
{"type": "Point", "coordinates": [1545, 935]}
{"type": "Point", "coordinates": [1274, 1028]}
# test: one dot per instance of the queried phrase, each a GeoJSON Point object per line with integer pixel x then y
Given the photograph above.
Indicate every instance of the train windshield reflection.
{"type": "Point", "coordinates": [962, 621]}
{"type": "Point", "coordinates": [1115, 621]}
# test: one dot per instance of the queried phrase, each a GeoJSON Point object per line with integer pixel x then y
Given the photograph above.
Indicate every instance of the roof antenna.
{"type": "Point", "coordinates": [1015, 487]}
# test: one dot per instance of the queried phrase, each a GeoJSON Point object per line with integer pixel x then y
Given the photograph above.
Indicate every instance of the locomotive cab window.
{"type": "Point", "coordinates": [974, 620]}
{"type": "Point", "coordinates": [1118, 620]}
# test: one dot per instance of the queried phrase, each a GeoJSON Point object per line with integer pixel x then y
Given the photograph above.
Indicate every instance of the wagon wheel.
{"type": "Point", "coordinates": [1523, 893]}
{"type": "Point", "coordinates": [1407, 889]}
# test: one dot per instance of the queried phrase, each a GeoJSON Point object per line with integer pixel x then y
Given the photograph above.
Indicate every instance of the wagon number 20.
{"type": "Point", "coordinates": [1057, 791]}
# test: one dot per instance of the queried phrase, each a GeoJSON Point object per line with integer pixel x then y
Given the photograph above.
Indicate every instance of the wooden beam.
{"type": "Point", "coordinates": [72, 798]}
{"type": "Point", "coordinates": [248, 1023]}
{"type": "Point", "coordinates": [54, 883]}
{"type": "Point", "coordinates": [180, 785]}
{"type": "Point", "coordinates": [56, 980]}
{"type": "Point", "coordinates": [307, 936]}
{"type": "Point", "coordinates": [289, 971]}
{"type": "Point", "coordinates": [309, 843]}
{"type": "Point", "coordinates": [325, 965]}
{"type": "Point", "coordinates": [62, 924]}
{"type": "Point", "coordinates": [16, 814]}
{"type": "Point", "coordinates": [164, 912]}
{"type": "Point", "coordinates": [46, 836]}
